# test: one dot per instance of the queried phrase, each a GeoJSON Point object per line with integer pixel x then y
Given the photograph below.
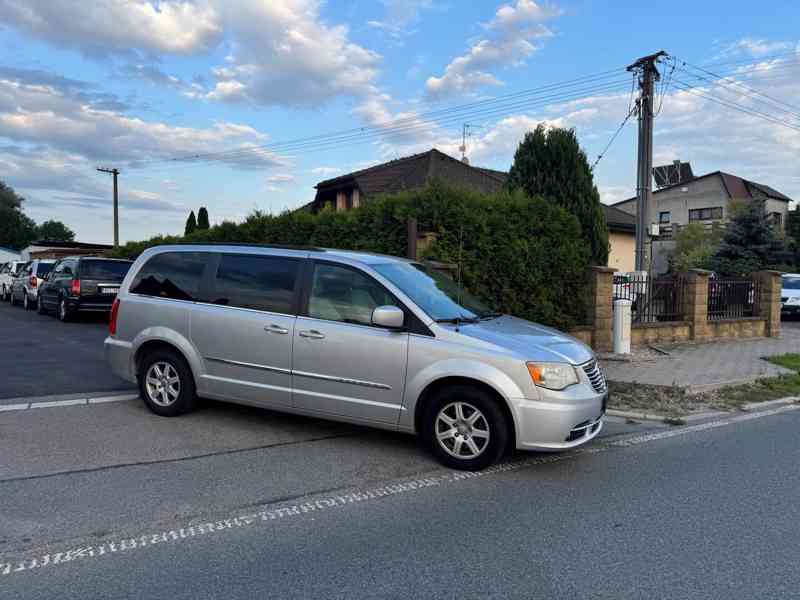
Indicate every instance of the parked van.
{"type": "Point", "coordinates": [356, 337]}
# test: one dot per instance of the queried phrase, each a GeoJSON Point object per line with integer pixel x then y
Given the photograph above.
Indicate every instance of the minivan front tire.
{"type": "Point", "coordinates": [464, 428]}
{"type": "Point", "coordinates": [166, 383]}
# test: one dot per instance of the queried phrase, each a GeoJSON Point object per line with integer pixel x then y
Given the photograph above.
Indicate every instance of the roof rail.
{"type": "Point", "coordinates": [248, 245]}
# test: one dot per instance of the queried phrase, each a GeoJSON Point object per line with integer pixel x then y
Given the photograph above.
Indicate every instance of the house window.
{"type": "Point", "coordinates": [775, 218]}
{"type": "Point", "coordinates": [705, 214]}
{"type": "Point", "coordinates": [663, 217]}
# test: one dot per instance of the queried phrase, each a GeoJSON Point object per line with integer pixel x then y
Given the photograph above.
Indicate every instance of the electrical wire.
{"type": "Point", "coordinates": [631, 110]}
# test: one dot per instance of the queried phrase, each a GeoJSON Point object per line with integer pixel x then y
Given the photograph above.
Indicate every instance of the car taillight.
{"type": "Point", "coordinates": [32, 281]}
{"type": "Point", "coordinates": [112, 323]}
{"type": "Point", "coordinates": [76, 287]}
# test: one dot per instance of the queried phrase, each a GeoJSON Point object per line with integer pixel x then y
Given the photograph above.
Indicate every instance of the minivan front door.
{"type": "Point", "coordinates": [342, 364]}
{"type": "Point", "coordinates": [244, 330]}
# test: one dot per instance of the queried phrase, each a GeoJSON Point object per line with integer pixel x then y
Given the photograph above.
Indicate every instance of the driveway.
{"type": "Point", "coordinates": [41, 356]}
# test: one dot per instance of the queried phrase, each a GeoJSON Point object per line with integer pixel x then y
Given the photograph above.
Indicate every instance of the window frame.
{"type": "Point", "coordinates": [661, 219]}
{"type": "Point", "coordinates": [208, 286]}
{"type": "Point", "coordinates": [411, 323]}
{"type": "Point", "coordinates": [204, 275]}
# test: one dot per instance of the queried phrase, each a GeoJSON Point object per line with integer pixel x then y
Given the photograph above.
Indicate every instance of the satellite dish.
{"type": "Point", "coordinates": [677, 172]}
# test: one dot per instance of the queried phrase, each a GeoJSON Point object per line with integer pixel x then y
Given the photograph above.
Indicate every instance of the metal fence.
{"type": "Point", "coordinates": [732, 298]}
{"type": "Point", "coordinates": [653, 299]}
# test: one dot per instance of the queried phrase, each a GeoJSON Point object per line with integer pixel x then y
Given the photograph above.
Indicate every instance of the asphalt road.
{"type": "Point", "coordinates": [41, 356]}
{"type": "Point", "coordinates": [162, 508]}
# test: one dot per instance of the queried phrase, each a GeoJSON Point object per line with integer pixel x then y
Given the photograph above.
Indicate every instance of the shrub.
{"type": "Point", "coordinates": [521, 255]}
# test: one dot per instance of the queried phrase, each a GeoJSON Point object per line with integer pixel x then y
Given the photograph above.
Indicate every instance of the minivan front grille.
{"type": "Point", "coordinates": [595, 375]}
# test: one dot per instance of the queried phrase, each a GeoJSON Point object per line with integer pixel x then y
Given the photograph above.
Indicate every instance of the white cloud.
{"type": "Point", "coordinates": [101, 27]}
{"type": "Point", "coordinates": [400, 16]}
{"type": "Point", "coordinates": [283, 53]}
{"type": "Point", "coordinates": [755, 47]}
{"type": "Point", "coordinates": [512, 37]}
{"type": "Point", "coordinates": [281, 178]}
{"type": "Point", "coordinates": [45, 115]}
{"type": "Point", "coordinates": [324, 171]}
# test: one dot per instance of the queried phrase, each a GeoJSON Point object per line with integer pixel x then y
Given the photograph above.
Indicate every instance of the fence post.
{"type": "Point", "coordinates": [769, 301]}
{"type": "Point", "coordinates": [696, 306]}
{"type": "Point", "coordinates": [601, 310]}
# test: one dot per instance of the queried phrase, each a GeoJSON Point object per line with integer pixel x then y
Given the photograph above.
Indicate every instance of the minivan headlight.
{"type": "Point", "coordinates": [553, 376]}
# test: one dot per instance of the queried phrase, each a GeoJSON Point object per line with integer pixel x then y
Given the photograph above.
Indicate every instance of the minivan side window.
{"type": "Point", "coordinates": [259, 282]}
{"type": "Point", "coordinates": [174, 275]}
{"type": "Point", "coordinates": [345, 294]}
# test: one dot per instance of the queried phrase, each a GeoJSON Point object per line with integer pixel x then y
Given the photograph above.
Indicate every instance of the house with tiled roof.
{"type": "Point", "coordinates": [409, 173]}
{"type": "Point", "coordinates": [708, 199]}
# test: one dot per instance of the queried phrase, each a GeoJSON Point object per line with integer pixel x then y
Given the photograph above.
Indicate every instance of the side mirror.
{"type": "Point", "coordinates": [388, 316]}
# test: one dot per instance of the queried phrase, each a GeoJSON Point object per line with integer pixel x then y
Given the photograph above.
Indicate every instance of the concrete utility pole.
{"type": "Point", "coordinates": [115, 173]}
{"type": "Point", "coordinates": [648, 74]}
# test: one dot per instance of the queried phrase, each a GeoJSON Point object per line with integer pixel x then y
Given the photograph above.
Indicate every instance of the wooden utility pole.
{"type": "Point", "coordinates": [115, 173]}
{"type": "Point", "coordinates": [648, 74]}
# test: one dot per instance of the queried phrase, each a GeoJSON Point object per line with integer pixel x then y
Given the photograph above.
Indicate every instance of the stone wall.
{"type": "Point", "coordinates": [695, 325]}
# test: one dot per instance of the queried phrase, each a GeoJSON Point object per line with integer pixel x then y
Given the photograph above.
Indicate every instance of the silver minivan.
{"type": "Point", "coordinates": [356, 337]}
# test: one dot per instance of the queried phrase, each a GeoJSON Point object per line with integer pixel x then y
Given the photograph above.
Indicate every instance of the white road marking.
{"type": "Point", "coordinates": [68, 402]}
{"type": "Point", "coordinates": [56, 403]}
{"type": "Point", "coordinates": [106, 399]}
{"type": "Point", "coordinates": [264, 514]}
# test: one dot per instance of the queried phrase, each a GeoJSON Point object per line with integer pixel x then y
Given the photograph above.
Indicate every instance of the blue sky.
{"type": "Point", "coordinates": [138, 85]}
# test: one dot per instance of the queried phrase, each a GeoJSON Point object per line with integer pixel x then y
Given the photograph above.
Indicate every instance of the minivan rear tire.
{"type": "Point", "coordinates": [470, 402]}
{"type": "Point", "coordinates": [186, 399]}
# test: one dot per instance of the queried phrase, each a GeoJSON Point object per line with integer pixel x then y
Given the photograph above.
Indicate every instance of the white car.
{"type": "Point", "coordinates": [790, 294]}
{"type": "Point", "coordinates": [8, 271]}
{"type": "Point", "coordinates": [25, 286]}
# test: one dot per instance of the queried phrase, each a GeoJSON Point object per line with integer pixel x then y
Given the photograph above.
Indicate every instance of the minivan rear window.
{"type": "Point", "coordinates": [259, 282]}
{"type": "Point", "coordinates": [43, 269]}
{"type": "Point", "coordinates": [173, 275]}
{"type": "Point", "coordinates": [104, 270]}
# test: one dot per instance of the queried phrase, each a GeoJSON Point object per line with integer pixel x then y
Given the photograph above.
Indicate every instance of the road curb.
{"type": "Point", "coordinates": [752, 406]}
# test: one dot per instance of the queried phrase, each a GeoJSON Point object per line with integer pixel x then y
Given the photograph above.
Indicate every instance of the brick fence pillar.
{"type": "Point", "coordinates": [769, 301]}
{"type": "Point", "coordinates": [601, 310]}
{"type": "Point", "coordinates": [696, 306]}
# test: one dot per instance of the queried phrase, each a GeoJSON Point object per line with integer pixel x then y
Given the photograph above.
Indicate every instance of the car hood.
{"type": "Point", "coordinates": [530, 340]}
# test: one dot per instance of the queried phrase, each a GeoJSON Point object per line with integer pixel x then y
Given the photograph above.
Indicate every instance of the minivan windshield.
{"type": "Point", "coordinates": [435, 293]}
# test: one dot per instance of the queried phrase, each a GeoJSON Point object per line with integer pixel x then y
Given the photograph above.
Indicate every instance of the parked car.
{"type": "Point", "coordinates": [25, 286]}
{"type": "Point", "coordinates": [790, 295]}
{"type": "Point", "coordinates": [8, 271]}
{"type": "Point", "coordinates": [355, 337]}
{"type": "Point", "coordinates": [81, 284]}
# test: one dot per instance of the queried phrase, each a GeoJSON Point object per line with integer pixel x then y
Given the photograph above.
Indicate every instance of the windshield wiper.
{"type": "Point", "coordinates": [490, 315]}
{"type": "Point", "coordinates": [458, 320]}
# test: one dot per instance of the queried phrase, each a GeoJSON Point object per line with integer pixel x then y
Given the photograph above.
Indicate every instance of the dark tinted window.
{"type": "Point", "coordinates": [105, 270]}
{"type": "Point", "coordinates": [343, 294]}
{"type": "Point", "coordinates": [259, 282]}
{"type": "Point", "coordinates": [43, 269]}
{"type": "Point", "coordinates": [172, 275]}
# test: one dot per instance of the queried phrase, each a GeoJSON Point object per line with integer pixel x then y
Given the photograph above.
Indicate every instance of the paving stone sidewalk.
{"type": "Point", "coordinates": [701, 367]}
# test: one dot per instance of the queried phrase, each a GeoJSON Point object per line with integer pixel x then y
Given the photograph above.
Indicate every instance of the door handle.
{"type": "Point", "coordinates": [276, 329]}
{"type": "Point", "coordinates": [312, 333]}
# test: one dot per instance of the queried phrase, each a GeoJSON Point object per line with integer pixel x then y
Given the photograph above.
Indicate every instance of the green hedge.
{"type": "Point", "coordinates": [522, 255]}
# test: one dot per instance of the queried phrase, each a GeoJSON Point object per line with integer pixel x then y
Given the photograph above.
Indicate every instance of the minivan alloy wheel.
{"type": "Point", "coordinates": [26, 303]}
{"type": "Point", "coordinates": [462, 430]}
{"type": "Point", "coordinates": [163, 384]}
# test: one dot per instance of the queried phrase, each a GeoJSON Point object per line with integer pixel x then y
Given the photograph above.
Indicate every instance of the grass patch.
{"type": "Point", "coordinates": [788, 361]}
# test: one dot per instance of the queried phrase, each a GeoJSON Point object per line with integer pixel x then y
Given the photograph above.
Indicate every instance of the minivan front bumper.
{"type": "Point", "coordinates": [559, 421]}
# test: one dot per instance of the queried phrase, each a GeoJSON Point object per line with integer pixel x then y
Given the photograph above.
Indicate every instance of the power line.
{"type": "Point", "coordinates": [368, 134]}
{"type": "Point", "coordinates": [693, 90]}
{"type": "Point", "coordinates": [631, 110]}
{"type": "Point", "coordinates": [727, 80]}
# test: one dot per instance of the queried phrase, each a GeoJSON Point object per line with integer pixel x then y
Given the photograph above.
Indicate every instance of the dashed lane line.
{"type": "Point", "coordinates": [69, 402]}
{"type": "Point", "coordinates": [253, 517]}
